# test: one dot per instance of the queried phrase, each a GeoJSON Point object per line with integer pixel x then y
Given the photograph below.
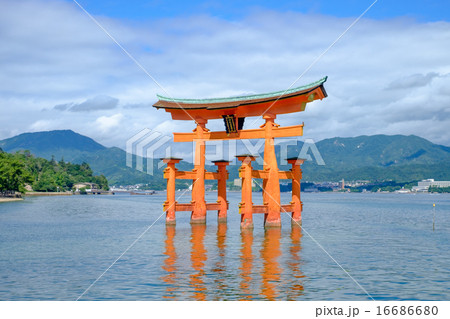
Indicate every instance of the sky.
{"type": "Point", "coordinates": [388, 74]}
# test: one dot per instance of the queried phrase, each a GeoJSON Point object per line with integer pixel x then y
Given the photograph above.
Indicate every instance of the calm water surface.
{"type": "Point", "coordinates": [53, 248]}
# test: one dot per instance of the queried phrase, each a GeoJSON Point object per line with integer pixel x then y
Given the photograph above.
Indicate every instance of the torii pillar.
{"type": "Point", "coordinates": [222, 190]}
{"type": "Point", "coordinates": [198, 215]}
{"type": "Point", "coordinates": [297, 205]}
{"type": "Point", "coordinates": [170, 203]}
{"type": "Point", "coordinates": [246, 205]}
{"type": "Point", "coordinates": [271, 185]}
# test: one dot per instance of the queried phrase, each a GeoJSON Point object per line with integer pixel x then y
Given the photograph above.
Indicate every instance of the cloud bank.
{"type": "Point", "coordinates": [100, 102]}
{"type": "Point", "coordinates": [385, 76]}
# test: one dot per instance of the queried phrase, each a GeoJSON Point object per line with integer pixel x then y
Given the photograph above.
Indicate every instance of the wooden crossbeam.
{"type": "Point", "coordinates": [285, 175]}
{"type": "Point", "coordinates": [214, 175]}
{"type": "Point", "coordinates": [263, 209]}
{"type": "Point", "coordinates": [184, 207]}
{"type": "Point", "coordinates": [192, 175]}
{"type": "Point", "coordinates": [256, 209]}
{"type": "Point", "coordinates": [188, 207]}
{"type": "Point", "coordinates": [213, 206]}
{"type": "Point", "coordinates": [260, 209]}
{"type": "Point", "coordinates": [264, 175]}
{"type": "Point", "coordinates": [287, 208]}
{"type": "Point", "coordinates": [288, 131]}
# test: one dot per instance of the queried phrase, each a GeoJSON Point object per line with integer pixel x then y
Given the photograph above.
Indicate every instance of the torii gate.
{"type": "Point", "coordinates": [234, 110]}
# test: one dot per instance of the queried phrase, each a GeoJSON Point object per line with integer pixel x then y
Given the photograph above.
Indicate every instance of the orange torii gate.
{"type": "Point", "coordinates": [234, 110]}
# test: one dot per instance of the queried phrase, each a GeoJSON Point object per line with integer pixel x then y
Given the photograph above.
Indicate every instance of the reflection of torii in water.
{"type": "Point", "coordinates": [170, 264]}
{"type": "Point", "coordinates": [278, 279]}
{"type": "Point", "coordinates": [234, 110]}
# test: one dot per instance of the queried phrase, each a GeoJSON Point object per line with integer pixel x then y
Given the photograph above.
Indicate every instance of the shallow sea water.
{"type": "Point", "coordinates": [54, 248]}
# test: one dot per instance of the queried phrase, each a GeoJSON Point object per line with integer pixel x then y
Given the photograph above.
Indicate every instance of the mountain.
{"type": "Point", "coordinates": [111, 162]}
{"type": "Point", "coordinates": [377, 157]}
{"type": "Point", "coordinates": [380, 150]}
{"type": "Point", "coordinates": [77, 148]}
{"type": "Point", "coordinates": [60, 143]}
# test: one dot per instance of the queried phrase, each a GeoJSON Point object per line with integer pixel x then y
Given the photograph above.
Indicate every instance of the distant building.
{"type": "Point", "coordinates": [425, 184]}
{"type": "Point", "coordinates": [238, 182]}
{"type": "Point", "coordinates": [79, 186]}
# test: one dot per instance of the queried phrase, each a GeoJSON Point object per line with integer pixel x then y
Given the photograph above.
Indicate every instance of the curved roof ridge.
{"type": "Point", "coordinates": [244, 97]}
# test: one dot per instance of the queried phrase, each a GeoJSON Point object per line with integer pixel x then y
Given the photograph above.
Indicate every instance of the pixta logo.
{"type": "Point", "coordinates": [308, 147]}
{"type": "Point", "coordinates": [216, 150]}
{"type": "Point", "coordinates": [145, 144]}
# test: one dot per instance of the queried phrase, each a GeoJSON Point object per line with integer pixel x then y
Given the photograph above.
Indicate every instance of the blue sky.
{"type": "Point", "coordinates": [388, 74]}
{"type": "Point", "coordinates": [420, 10]}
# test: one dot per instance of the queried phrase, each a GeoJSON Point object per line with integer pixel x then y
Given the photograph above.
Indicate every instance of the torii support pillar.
{"type": "Point", "coordinates": [297, 204]}
{"type": "Point", "coordinates": [170, 203]}
{"type": "Point", "coordinates": [246, 205]}
{"type": "Point", "coordinates": [198, 215]}
{"type": "Point", "coordinates": [222, 190]}
{"type": "Point", "coordinates": [271, 185]}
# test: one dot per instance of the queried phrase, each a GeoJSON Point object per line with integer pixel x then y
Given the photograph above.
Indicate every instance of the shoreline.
{"type": "Point", "coordinates": [47, 194]}
{"type": "Point", "coordinates": [10, 199]}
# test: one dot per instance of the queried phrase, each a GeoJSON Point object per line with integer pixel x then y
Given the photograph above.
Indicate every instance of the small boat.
{"type": "Point", "coordinates": [143, 192]}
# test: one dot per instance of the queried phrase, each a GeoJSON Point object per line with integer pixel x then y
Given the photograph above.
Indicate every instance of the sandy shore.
{"type": "Point", "coordinates": [9, 199]}
{"type": "Point", "coordinates": [47, 193]}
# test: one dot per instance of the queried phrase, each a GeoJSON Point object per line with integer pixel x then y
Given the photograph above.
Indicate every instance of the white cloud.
{"type": "Point", "coordinates": [107, 123]}
{"type": "Point", "coordinates": [387, 76]}
{"type": "Point", "coordinates": [99, 102]}
{"type": "Point", "coordinates": [42, 125]}
{"type": "Point", "coordinates": [412, 81]}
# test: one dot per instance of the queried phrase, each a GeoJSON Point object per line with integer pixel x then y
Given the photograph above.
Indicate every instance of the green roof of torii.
{"type": "Point", "coordinates": [243, 97]}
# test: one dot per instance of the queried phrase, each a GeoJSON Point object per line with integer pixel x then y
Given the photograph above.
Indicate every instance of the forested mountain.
{"type": "Point", "coordinates": [77, 148]}
{"type": "Point", "coordinates": [376, 158]}
{"type": "Point", "coordinates": [22, 168]}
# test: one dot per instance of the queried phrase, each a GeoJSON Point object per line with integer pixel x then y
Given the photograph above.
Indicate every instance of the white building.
{"type": "Point", "coordinates": [238, 182]}
{"type": "Point", "coordinates": [424, 185]}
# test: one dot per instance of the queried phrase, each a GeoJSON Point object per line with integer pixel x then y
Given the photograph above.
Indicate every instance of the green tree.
{"type": "Point", "coordinates": [13, 174]}
{"type": "Point", "coordinates": [434, 189]}
{"type": "Point", "coordinates": [22, 168]}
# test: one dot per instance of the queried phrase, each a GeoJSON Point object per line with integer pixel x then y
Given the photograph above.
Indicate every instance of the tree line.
{"type": "Point", "coordinates": [22, 168]}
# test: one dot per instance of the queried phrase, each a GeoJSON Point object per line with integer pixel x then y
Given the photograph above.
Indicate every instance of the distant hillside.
{"type": "Point", "coordinates": [60, 143]}
{"type": "Point", "coordinates": [380, 150]}
{"type": "Point", "coordinates": [378, 157]}
{"type": "Point", "coordinates": [76, 148]}
{"type": "Point", "coordinates": [111, 162]}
